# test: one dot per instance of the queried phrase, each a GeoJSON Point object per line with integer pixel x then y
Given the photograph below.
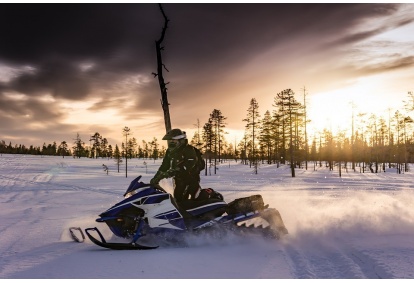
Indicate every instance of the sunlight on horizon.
{"type": "Point", "coordinates": [333, 110]}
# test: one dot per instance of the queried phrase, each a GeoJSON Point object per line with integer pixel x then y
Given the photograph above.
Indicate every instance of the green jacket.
{"type": "Point", "coordinates": [183, 162]}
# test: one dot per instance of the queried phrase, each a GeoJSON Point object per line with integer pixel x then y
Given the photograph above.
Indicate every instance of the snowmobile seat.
{"type": "Point", "coordinates": [204, 208]}
{"type": "Point", "coordinates": [246, 204]}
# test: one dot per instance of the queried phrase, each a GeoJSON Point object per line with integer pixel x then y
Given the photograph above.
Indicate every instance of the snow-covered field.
{"type": "Point", "coordinates": [357, 226]}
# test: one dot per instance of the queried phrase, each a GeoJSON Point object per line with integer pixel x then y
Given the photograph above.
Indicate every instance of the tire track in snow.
{"type": "Point", "coordinates": [55, 185]}
{"type": "Point", "coordinates": [326, 258]}
{"type": "Point", "coordinates": [42, 178]}
{"type": "Point", "coordinates": [21, 222]}
{"type": "Point", "coordinates": [368, 265]}
{"type": "Point", "coordinates": [299, 264]}
{"type": "Point", "coordinates": [14, 167]}
{"type": "Point", "coordinates": [34, 257]}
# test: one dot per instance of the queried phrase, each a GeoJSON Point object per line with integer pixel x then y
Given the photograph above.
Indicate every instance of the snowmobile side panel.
{"type": "Point", "coordinates": [207, 207]}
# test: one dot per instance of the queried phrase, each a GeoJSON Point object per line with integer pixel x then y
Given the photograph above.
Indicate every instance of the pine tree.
{"type": "Point", "coordinates": [126, 132]}
{"type": "Point", "coordinates": [217, 122]}
{"type": "Point", "coordinates": [208, 137]}
{"type": "Point", "coordinates": [266, 136]}
{"type": "Point", "coordinates": [78, 148]}
{"type": "Point", "coordinates": [289, 113]}
{"type": "Point", "coordinates": [154, 149]}
{"type": "Point", "coordinates": [252, 127]}
{"type": "Point", "coordinates": [96, 145]}
{"type": "Point", "coordinates": [117, 156]}
{"type": "Point", "coordinates": [63, 149]}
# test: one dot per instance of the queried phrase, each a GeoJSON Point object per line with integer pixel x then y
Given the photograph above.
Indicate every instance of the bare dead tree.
{"type": "Point", "coordinates": [160, 67]}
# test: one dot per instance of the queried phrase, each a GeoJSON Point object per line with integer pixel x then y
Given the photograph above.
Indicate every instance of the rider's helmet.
{"type": "Point", "coordinates": [176, 138]}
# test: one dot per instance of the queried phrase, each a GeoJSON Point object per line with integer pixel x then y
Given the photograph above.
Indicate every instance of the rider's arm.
{"type": "Point", "coordinates": [161, 173]}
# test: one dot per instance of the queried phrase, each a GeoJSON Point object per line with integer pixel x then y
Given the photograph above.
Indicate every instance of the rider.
{"type": "Point", "coordinates": [180, 163]}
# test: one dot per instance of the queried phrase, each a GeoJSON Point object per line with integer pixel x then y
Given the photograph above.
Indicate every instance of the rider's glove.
{"type": "Point", "coordinates": [158, 177]}
{"type": "Point", "coordinates": [155, 181]}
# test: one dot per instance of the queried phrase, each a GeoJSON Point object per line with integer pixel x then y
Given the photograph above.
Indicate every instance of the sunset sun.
{"type": "Point", "coordinates": [334, 110]}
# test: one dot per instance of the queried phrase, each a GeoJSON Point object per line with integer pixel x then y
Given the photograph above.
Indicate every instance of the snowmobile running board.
{"type": "Point", "coordinates": [115, 246]}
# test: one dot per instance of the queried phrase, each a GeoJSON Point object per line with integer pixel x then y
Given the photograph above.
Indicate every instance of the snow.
{"type": "Point", "coordinates": [360, 225]}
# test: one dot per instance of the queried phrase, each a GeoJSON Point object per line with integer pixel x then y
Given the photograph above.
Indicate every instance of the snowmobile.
{"type": "Point", "coordinates": [149, 210]}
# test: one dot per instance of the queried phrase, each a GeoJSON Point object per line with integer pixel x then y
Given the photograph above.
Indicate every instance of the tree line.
{"type": "Point", "coordinates": [98, 148]}
{"type": "Point", "coordinates": [279, 137]}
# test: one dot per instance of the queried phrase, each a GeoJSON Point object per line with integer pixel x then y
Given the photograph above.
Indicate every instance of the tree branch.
{"type": "Point", "coordinates": [160, 66]}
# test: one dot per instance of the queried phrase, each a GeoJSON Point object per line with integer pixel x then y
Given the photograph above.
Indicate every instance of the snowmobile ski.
{"type": "Point", "coordinates": [115, 246]}
{"type": "Point", "coordinates": [73, 234]}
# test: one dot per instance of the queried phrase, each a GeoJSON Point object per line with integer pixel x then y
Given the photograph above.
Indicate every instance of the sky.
{"type": "Point", "coordinates": [85, 68]}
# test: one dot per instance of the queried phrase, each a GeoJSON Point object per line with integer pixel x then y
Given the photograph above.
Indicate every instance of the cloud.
{"type": "Point", "coordinates": [394, 63]}
{"type": "Point", "coordinates": [58, 78]}
{"type": "Point", "coordinates": [28, 107]}
{"type": "Point", "coordinates": [36, 31]}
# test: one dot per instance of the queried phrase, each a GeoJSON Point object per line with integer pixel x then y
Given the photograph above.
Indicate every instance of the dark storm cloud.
{"type": "Point", "coordinates": [119, 38]}
{"type": "Point", "coordinates": [206, 43]}
{"type": "Point", "coordinates": [234, 32]}
{"type": "Point", "coordinates": [34, 32]}
{"type": "Point", "coordinates": [55, 38]}
{"type": "Point", "coordinates": [58, 78]}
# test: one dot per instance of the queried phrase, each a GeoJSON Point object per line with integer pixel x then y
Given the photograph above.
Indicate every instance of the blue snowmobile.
{"type": "Point", "coordinates": [148, 210]}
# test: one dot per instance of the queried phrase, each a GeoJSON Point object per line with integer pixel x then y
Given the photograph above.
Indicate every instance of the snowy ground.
{"type": "Point", "coordinates": [357, 226]}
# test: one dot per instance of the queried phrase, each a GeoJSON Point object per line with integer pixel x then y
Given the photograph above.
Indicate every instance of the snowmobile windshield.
{"type": "Point", "coordinates": [130, 194]}
{"type": "Point", "coordinates": [145, 191]}
{"type": "Point", "coordinates": [139, 187]}
{"type": "Point", "coordinates": [141, 191]}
